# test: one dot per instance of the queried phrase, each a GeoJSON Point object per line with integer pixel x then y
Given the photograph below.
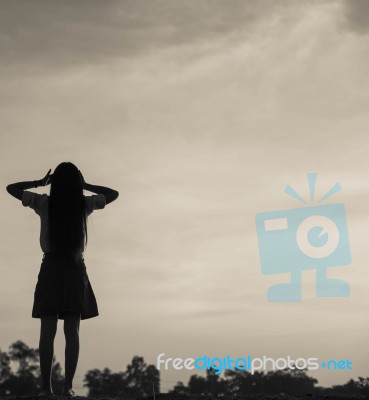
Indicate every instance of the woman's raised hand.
{"type": "Point", "coordinates": [46, 180]}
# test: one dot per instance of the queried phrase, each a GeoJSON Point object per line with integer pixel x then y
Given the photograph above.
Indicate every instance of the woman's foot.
{"type": "Point", "coordinates": [69, 392]}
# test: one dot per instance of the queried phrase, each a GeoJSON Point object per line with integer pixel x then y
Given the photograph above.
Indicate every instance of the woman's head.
{"type": "Point", "coordinates": [67, 211]}
{"type": "Point", "coordinates": [67, 179]}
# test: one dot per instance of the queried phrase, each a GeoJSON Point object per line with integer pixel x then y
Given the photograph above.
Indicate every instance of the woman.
{"type": "Point", "coordinates": [63, 290]}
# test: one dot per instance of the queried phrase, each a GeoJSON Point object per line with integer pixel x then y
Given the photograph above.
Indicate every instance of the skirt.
{"type": "Point", "coordinates": [63, 287]}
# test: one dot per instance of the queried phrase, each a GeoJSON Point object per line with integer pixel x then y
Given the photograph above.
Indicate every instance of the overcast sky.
{"type": "Point", "coordinates": [199, 112]}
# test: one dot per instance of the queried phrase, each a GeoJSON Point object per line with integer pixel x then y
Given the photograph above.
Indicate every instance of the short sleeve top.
{"type": "Point", "coordinates": [40, 204]}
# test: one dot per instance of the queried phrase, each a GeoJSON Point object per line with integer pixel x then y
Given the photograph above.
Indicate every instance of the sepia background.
{"type": "Point", "coordinates": [199, 112]}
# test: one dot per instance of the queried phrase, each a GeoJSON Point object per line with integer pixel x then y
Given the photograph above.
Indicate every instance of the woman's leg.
{"type": "Point", "coordinates": [71, 332]}
{"type": "Point", "coordinates": [49, 325]}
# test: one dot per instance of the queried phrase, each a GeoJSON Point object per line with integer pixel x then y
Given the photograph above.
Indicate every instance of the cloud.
{"type": "Point", "coordinates": [35, 35]}
{"type": "Point", "coordinates": [357, 14]}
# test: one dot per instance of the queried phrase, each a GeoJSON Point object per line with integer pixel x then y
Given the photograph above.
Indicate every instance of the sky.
{"type": "Point", "coordinates": [199, 112]}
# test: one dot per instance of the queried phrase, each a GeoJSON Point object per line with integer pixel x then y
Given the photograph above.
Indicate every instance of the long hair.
{"type": "Point", "coordinates": [67, 211]}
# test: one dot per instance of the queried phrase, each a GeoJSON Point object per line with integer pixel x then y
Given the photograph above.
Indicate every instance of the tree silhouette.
{"type": "Point", "coordinates": [139, 380]}
{"type": "Point", "coordinates": [26, 379]}
{"type": "Point", "coordinates": [240, 382]}
{"type": "Point", "coordinates": [363, 385]}
{"type": "Point", "coordinates": [211, 384]}
{"type": "Point", "coordinates": [289, 382]}
{"type": "Point", "coordinates": [104, 383]}
{"type": "Point", "coordinates": [19, 375]}
{"type": "Point", "coordinates": [5, 372]}
{"type": "Point", "coordinates": [351, 387]}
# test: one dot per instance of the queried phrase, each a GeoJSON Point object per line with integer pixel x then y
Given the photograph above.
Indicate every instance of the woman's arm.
{"type": "Point", "coordinates": [110, 194]}
{"type": "Point", "coordinates": [17, 189]}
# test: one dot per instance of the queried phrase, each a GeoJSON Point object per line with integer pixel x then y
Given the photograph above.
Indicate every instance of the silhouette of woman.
{"type": "Point", "coordinates": [63, 290]}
